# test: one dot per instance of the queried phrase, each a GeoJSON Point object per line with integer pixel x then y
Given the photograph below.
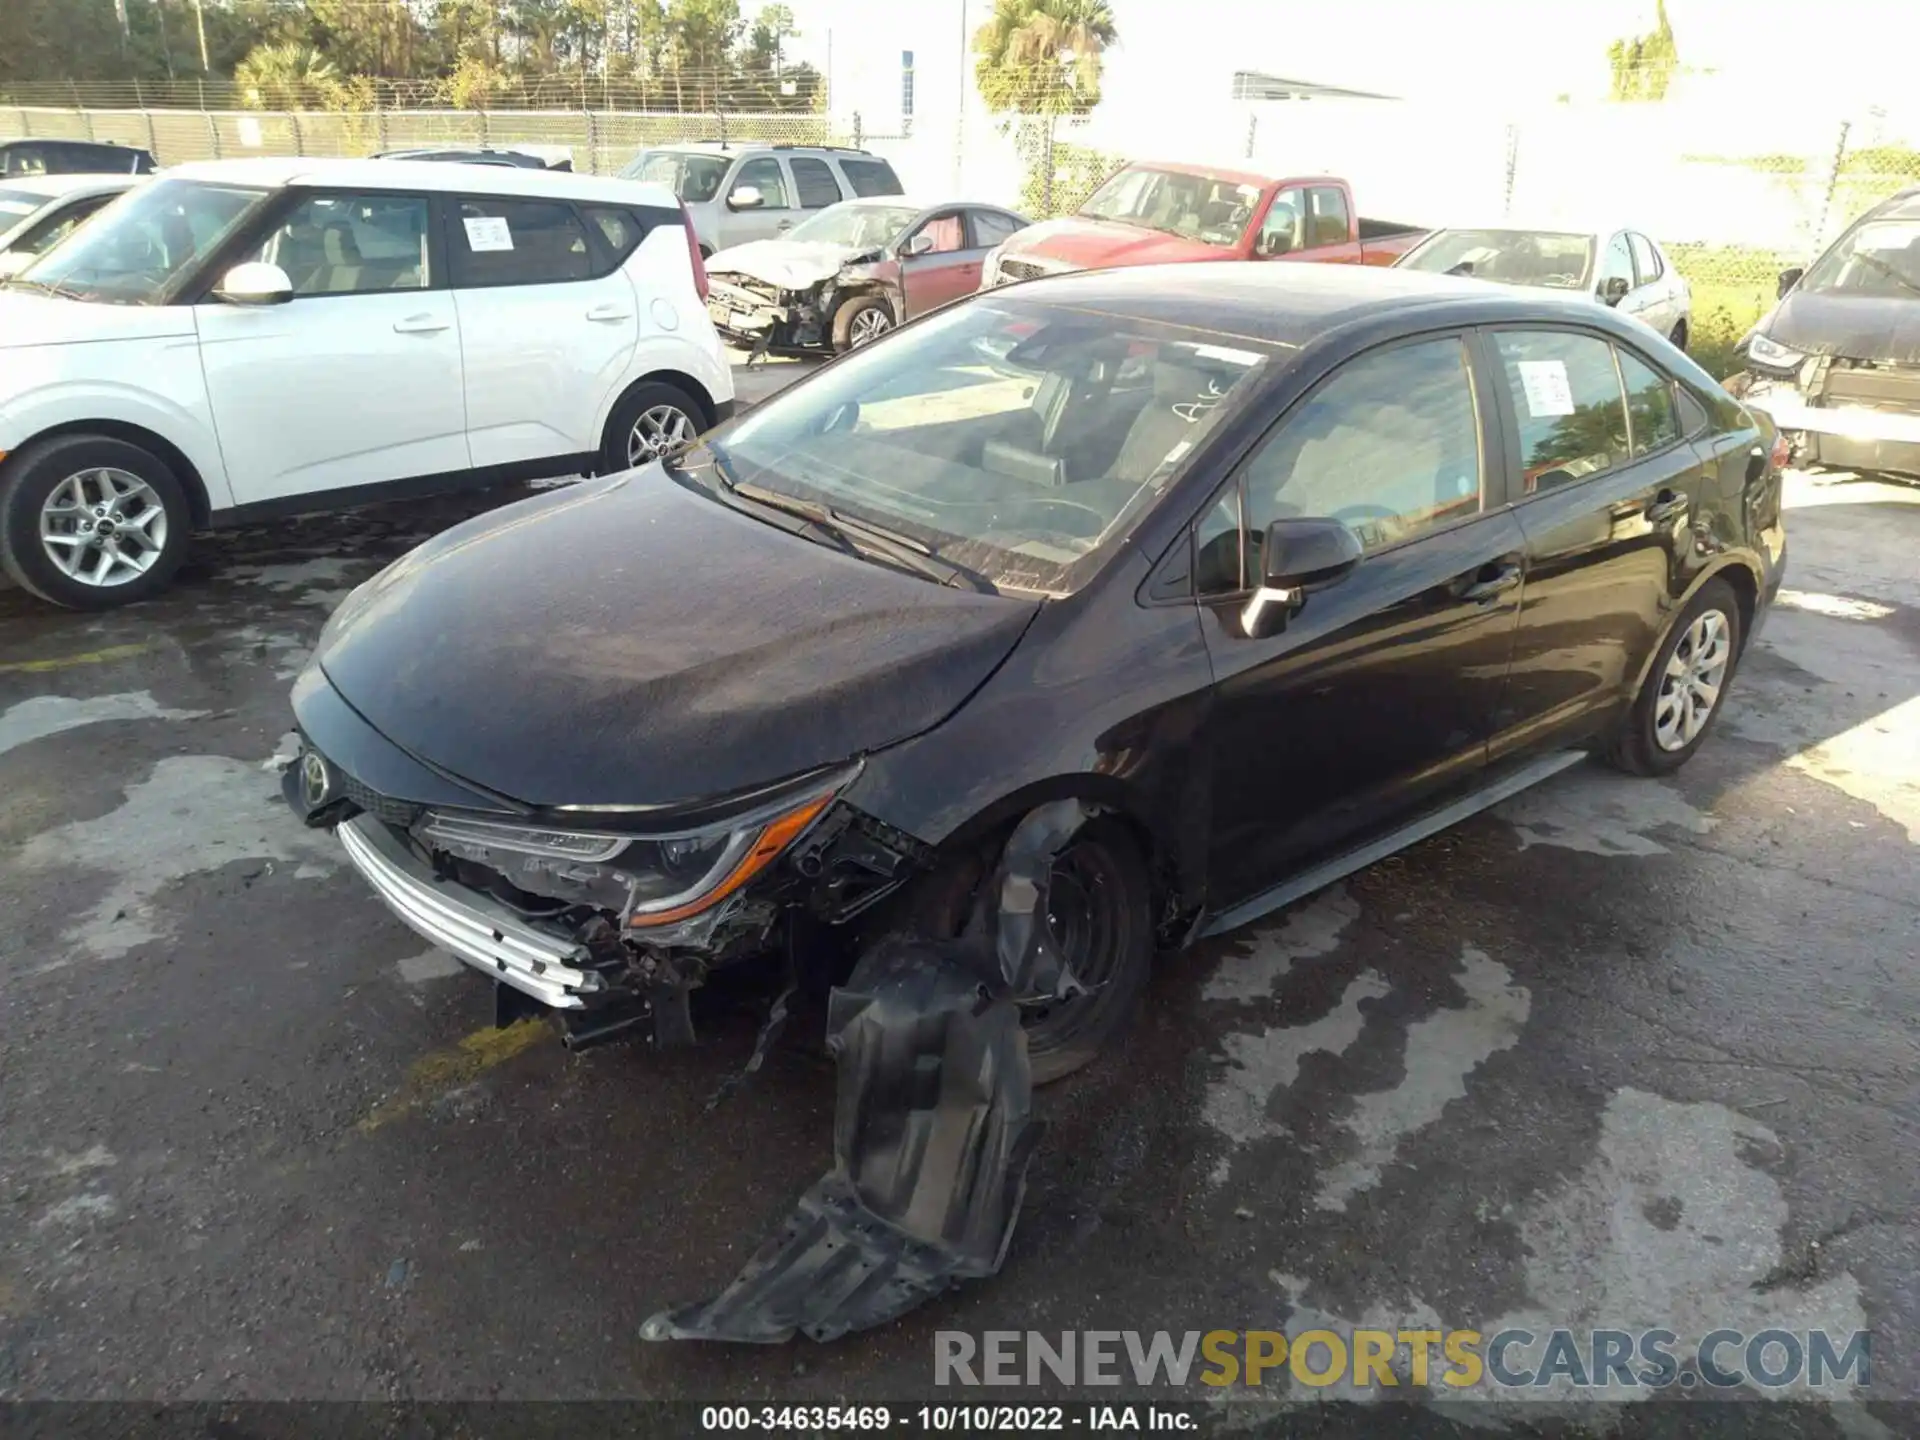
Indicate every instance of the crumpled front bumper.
{"type": "Point", "coordinates": [467, 924]}
{"type": "Point", "coordinates": [1864, 418]}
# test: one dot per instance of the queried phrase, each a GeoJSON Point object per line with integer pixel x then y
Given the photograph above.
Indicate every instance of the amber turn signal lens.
{"type": "Point", "coordinates": [779, 834]}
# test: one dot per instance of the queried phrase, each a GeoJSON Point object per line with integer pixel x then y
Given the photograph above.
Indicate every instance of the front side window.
{"type": "Point", "coordinates": [1284, 228]}
{"type": "Point", "coordinates": [764, 175]}
{"type": "Point", "coordinates": [1646, 260]}
{"type": "Point", "coordinates": [1209, 208]}
{"type": "Point", "coordinates": [815, 182]}
{"type": "Point", "coordinates": [871, 177]}
{"type": "Point", "coordinates": [693, 177]}
{"type": "Point", "coordinates": [1616, 263]}
{"type": "Point", "coordinates": [517, 242]}
{"type": "Point", "coordinates": [351, 244]}
{"type": "Point", "coordinates": [1018, 440]}
{"type": "Point", "coordinates": [947, 232]}
{"type": "Point", "coordinates": [1327, 212]}
{"type": "Point", "coordinates": [1390, 446]}
{"type": "Point", "coordinates": [1567, 400]}
{"type": "Point", "coordinates": [1877, 257]}
{"type": "Point", "coordinates": [145, 245]}
{"type": "Point", "coordinates": [1551, 259]}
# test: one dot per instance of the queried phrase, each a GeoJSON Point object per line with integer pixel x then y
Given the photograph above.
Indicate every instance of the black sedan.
{"type": "Point", "coordinates": [1260, 571]}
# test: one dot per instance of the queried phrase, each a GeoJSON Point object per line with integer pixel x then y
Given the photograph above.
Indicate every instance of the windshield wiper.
{"type": "Point", "coordinates": [858, 534]}
{"type": "Point", "coordinates": [1888, 270]}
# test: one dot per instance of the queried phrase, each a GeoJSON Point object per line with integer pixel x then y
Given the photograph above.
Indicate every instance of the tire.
{"type": "Point", "coordinates": [103, 482]}
{"type": "Point", "coordinates": [1652, 739]}
{"type": "Point", "coordinates": [645, 402]}
{"type": "Point", "coordinates": [1063, 1036]}
{"type": "Point", "coordinates": [1679, 335]}
{"type": "Point", "coordinates": [860, 321]}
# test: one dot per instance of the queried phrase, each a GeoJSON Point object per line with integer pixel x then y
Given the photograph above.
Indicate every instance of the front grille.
{"type": "Point", "coordinates": [1021, 270]}
{"type": "Point", "coordinates": [394, 812]}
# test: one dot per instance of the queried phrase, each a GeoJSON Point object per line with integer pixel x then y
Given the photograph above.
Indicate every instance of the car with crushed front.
{"type": "Point", "coordinates": [1268, 571]}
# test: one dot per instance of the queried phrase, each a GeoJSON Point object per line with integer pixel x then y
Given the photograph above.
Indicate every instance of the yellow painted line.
{"type": "Point", "coordinates": [434, 1075]}
{"type": "Point", "coordinates": [104, 656]}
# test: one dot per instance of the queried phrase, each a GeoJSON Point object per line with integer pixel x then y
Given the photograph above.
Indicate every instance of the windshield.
{"type": "Point", "coordinates": [1200, 207]}
{"type": "Point", "coordinates": [865, 227]}
{"type": "Point", "coordinates": [143, 244]}
{"type": "Point", "coordinates": [16, 205]}
{"type": "Point", "coordinates": [1016, 440]}
{"type": "Point", "coordinates": [1550, 258]}
{"type": "Point", "coordinates": [693, 177]}
{"type": "Point", "coordinates": [1880, 257]}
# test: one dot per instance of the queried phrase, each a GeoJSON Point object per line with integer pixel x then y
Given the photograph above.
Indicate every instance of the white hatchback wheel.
{"type": "Point", "coordinates": [659, 431]}
{"type": "Point", "coordinates": [103, 527]}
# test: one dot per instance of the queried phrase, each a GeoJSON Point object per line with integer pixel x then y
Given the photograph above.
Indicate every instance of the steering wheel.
{"type": "Point", "coordinates": [1060, 502]}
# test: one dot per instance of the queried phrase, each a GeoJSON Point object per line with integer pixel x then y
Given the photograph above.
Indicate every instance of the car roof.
{"type": "Point", "coordinates": [52, 187]}
{"type": "Point", "coordinates": [428, 175]}
{"type": "Point", "coordinates": [1537, 225]}
{"type": "Point", "coordinates": [755, 147]}
{"type": "Point", "coordinates": [1288, 304]}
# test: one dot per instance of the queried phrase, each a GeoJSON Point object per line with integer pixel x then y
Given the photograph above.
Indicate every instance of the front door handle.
{"type": "Point", "coordinates": [609, 314]}
{"type": "Point", "coordinates": [784, 225]}
{"type": "Point", "coordinates": [421, 325]}
{"type": "Point", "coordinates": [1491, 581]}
{"type": "Point", "coordinates": [1667, 505]}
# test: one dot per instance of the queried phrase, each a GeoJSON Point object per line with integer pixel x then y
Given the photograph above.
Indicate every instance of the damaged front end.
{"type": "Point", "coordinates": [1841, 412]}
{"type": "Point", "coordinates": [789, 308]}
{"type": "Point", "coordinates": [609, 929]}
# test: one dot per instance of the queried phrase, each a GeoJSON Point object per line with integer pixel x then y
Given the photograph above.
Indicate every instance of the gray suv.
{"type": "Point", "coordinates": [738, 193]}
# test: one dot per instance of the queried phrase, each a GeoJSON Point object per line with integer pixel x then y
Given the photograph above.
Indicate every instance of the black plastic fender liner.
{"type": "Point", "coordinates": [1029, 963]}
{"type": "Point", "coordinates": [932, 1134]}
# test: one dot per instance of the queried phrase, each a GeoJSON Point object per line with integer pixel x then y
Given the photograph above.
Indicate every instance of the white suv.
{"type": "Point", "coordinates": [247, 339]}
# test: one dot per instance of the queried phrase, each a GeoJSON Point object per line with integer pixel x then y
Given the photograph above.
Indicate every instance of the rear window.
{"type": "Point", "coordinates": [871, 177]}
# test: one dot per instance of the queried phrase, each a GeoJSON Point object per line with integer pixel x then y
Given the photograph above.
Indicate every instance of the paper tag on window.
{"type": "Point", "coordinates": [490, 232]}
{"type": "Point", "coordinates": [1547, 390]}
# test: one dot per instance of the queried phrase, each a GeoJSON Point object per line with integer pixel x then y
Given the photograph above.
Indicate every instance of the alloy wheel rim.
{"type": "Point", "coordinates": [103, 528]}
{"type": "Point", "coordinates": [1690, 689]}
{"type": "Point", "coordinates": [663, 430]}
{"type": "Point", "coordinates": [870, 325]}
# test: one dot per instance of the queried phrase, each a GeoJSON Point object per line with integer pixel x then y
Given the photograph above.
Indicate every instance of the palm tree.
{"type": "Point", "coordinates": [285, 77]}
{"type": "Point", "coordinates": [1043, 57]}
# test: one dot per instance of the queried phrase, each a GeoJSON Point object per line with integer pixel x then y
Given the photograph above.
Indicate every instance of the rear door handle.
{"type": "Point", "coordinates": [1667, 505]}
{"type": "Point", "coordinates": [421, 325]}
{"type": "Point", "coordinates": [609, 314]}
{"type": "Point", "coordinates": [1491, 581]}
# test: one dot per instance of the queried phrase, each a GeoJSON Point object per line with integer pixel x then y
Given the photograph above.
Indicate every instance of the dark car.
{"type": "Point", "coordinates": [1270, 570]}
{"type": "Point", "coordinates": [1837, 362]}
{"type": "Point", "coordinates": [852, 273]}
{"type": "Point", "coordinates": [72, 157]}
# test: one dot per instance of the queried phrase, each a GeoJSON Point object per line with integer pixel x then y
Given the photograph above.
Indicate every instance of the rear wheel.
{"type": "Point", "coordinates": [1685, 689]}
{"type": "Point", "coordinates": [91, 523]}
{"type": "Point", "coordinates": [651, 422]}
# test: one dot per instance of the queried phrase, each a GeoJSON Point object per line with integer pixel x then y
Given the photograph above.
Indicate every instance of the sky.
{"type": "Point", "coordinates": [1526, 50]}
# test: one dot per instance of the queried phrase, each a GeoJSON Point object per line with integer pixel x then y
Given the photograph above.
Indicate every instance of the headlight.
{"type": "Point", "coordinates": [648, 880]}
{"type": "Point", "coordinates": [1772, 354]}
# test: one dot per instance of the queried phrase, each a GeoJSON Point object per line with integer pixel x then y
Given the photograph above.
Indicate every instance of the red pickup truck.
{"type": "Point", "coordinates": [1156, 214]}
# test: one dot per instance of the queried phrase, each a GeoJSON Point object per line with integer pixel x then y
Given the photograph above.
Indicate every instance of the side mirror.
{"type": "Point", "coordinates": [745, 197]}
{"type": "Point", "coordinates": [1301, 556]}
{"type": "Point", "coordinates": [255, 283]}
{"type": "Point", "coordinates": [1614, 289]}
{"type": "Point", "coordinates": [921, 244]}
{"type": "Point", "coordinates": [1789, 278]}
{"type": "Point", "coordinates": [1274, 243]}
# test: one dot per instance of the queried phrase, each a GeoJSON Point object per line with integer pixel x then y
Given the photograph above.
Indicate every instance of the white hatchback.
{"type": "Point", "coordinates": [248, 339]}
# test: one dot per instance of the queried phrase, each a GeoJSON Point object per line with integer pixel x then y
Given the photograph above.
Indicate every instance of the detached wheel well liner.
{"type": "Point", "coordinates": [162, 449]}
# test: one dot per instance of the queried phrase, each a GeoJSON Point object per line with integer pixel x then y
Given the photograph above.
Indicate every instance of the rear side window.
{"type": "Point", "coordinates": [1568, 404]}
{"type": "Point", "coordinates": [990, 227]}
{"type": "Point", "coordinates": [1327, 222]}
{"type": "Point", "coordinates": [516, 242]}
{"type": "Point", "coordinates": [1651, 418]}
{"type": "Point", "coordinates": [814, 180]}
{"type": "Point", "coordinates": [618, 229]}
{"type": "Point", "coordinates": [871, 177]}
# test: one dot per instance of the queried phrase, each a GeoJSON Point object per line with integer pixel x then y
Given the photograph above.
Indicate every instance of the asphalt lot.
{"type": "Point", "coordinates": [1622, 1052]}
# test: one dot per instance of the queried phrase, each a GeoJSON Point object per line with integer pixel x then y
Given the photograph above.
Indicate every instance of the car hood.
{"type": "Point", "coordinates": [29, 318]}
{"type": "Point", "coordinates": [1859, 327]}
{"type": "Point", "coordinates": [628, 641]}
{"type": "Point", "coordinates": [789, 264]}
{"type": "Point", "coordinates": [1081, 243]}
